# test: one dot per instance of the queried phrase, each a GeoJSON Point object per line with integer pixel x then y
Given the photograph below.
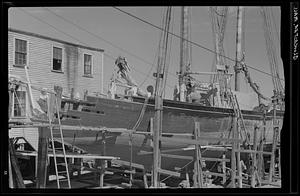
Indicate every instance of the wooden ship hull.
{"type": "Point", "coordinates": [178, 121]}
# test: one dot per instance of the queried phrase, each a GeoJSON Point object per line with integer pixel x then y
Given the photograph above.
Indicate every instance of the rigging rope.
{"type": "Point", "coordinates": [138, 122]}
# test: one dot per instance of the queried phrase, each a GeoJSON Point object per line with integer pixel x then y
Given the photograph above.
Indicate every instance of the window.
{"type": "Point", "coordinates": [20, 52]}
{"type": "Point", "coordinates": [87, 64]}
{"type": "Point", "coordinates": [57, 59]}
{"type": "Point", "coordinates": [19, 104]}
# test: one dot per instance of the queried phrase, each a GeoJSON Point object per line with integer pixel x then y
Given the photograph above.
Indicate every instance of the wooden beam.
{"type": "Point", "coordinates": [17, 179]}
{"type": "Point", "coordinates": [253, 151]}
{"type": "Point", "coordinates": [69, 155]}
{"type": "Point", "coordinates": [206, 173]}
{"type": "Point", "coordinates": [196, 142]}
{"type": "Point", "coordinates": [126, 163]}
{"type": "Point", "coordinates": [168, 172]}
{"type": "Point", "coordinates": [74, 128]}
{"type": "Point", "coordinates": [177, 156]}
{"type": "Point", "coordinates": [42, 158]}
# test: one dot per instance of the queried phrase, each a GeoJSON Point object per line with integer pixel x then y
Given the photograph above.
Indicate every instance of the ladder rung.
{"type": "Point", "coordinates": [62, 172]}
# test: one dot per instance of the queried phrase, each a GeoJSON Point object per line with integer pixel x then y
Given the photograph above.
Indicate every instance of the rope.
{"type": "Point", "coordinates": [138, 122]}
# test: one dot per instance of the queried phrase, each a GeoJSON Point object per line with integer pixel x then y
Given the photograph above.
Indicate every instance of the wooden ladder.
{"type": "Point", "coordinates": [56, 163]}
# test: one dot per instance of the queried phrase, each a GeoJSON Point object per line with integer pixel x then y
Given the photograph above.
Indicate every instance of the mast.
{"type": "Point", "coordinates": [159, 90]}
{"type": "Point", "coordinates": [239, 52]}
{"type": "Point", "coordinates": [184, 51]}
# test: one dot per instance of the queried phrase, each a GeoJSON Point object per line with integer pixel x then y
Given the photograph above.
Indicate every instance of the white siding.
{"type": "Point", "coordinates": [40, 65]}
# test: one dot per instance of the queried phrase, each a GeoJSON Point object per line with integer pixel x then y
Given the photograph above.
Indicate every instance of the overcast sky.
{"type": "Point", "coordinates": [120, 34]}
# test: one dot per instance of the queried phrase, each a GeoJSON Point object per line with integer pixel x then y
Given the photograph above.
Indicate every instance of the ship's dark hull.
{"type": "Point", "coordinates": [178, 118]}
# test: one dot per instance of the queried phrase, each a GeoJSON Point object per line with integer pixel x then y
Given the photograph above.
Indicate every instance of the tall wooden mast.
{"type": "Point", "coordinates": [239, 52]}
{"type": "Point", "coordinates": [159, 90]}
{"type": "Point", "coordinates": [184, 50]}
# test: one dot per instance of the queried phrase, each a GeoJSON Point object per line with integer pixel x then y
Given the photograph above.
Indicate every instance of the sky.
{"type": "Point", "coordinates": [119, 34]}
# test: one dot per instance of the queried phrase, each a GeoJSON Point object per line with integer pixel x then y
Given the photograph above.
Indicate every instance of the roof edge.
{"type": "Point", "coordinates": [53, 39]}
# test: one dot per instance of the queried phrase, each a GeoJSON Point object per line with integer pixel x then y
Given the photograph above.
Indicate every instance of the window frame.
{"type": "Point", "coordinates": [84, 74]}
{"type": "Point", "coordinates": [13, 103]}
{"type": "Point", "coordinates": [14, 52]}
{"type": "Point", "coordinates": [62, 59]}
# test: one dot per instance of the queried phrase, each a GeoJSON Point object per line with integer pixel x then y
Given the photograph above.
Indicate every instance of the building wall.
{"type": "Point", "coordinates": [39, 60]}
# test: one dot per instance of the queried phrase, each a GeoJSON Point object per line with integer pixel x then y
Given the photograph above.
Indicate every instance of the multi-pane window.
{"type": "Point", "coordinates": [57, 59]}
{"type": "Point", "coordinates": [20, 103]}
{"type": "Point", "coordinates": [87, 64]}
{"type": "Point", "coordinates": [20, 52]}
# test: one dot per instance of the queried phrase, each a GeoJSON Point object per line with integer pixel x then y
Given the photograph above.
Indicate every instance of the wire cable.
{"type": "Point", "coordinates": [194, 43]}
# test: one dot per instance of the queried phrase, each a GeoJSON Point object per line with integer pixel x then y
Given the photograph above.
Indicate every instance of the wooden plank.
{"type": "Point", "coordinates": [213, 174]}
{"type": "Point", "coordinates": [42, 159]}
{"type": "Point", "coordinates": [253, 151]}
{"type": "Point", "coordinates": [74, 128]}
{"type": "Point", "coordinates": [168, 172]}
{"type": "Point", "coordinates": [177, 156]}
{"type": "Point", "coordinates": [196, 142]}
{"type": "Point", "coordinates": [85, 156]}
{"type": "Point", "coordinates": [215, 159]}
{"type": "Point", "coordinates": [126, 163]}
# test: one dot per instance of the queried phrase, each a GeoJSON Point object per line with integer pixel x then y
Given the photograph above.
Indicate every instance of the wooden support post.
{"type": "Point", "coordinates": [260, 166]}
{"type": "Point", "coordinates": [198, 175]}
{"type": "Point", "coordinates": [145, 179]}
{"type": "Point", "coordinates": [156, 153]}
{"type": "Point", "coordinates": [187, 179]}
{"type": "Point", "coordinates": [224, 168]}
{"type": "Point", "coordinates": [233, 158]}
{"type": "Point", "coordinates": [102, 162]}
{"type": "Point", "coordinates": [254, 164]}
{"type": "Point", "coordinates": [10, 175]}
{"type": "Point", "coordinates": [238, 158]}
{"type": "Point", "coordinates": [10, 105]}
{"type": "Point", "coordinates": [274, 144]}
{"type": "Point", "coordinates": [42, 158]}
{"type": "Point", "coordinates": [16, 176]}
{"type": "Point", "coordinates": [279, 163]}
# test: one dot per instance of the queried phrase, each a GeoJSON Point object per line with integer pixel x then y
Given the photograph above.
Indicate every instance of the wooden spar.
{"type": "Point", "coordinates": [239, 52]}
{"type": "Point", "coordinates": [42, 158]}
